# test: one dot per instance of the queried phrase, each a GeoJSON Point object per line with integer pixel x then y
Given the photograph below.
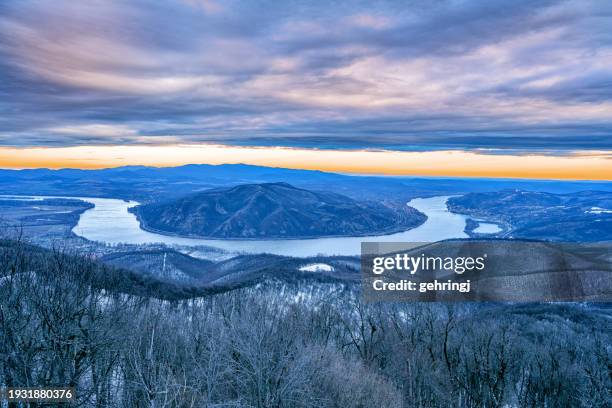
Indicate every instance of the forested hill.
{"type": "Point", "coordinates": [274, 210]}
{"type": "Point", "coordinates": [582, 216]}
{"type": "Point", "coordinates": [288, 345]}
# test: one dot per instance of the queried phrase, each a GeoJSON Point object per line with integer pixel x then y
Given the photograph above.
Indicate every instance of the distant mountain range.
{"type": "Point", "coordinates": [581, 216]}
{"type": "Point", "coordinates": [147, 184]}
{"type": "Point", "coordinates": [274, 210]}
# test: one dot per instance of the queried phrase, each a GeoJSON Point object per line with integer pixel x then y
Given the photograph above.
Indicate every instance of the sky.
{"type": "Point", "coordinates": [452, 87]}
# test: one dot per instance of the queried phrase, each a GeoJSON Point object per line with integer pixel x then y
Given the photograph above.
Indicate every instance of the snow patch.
{"type": "Point", "coordinates": [487, 228]}
{"type": "Point", "coordinates": [316, 267]}
{"type": "Point", "coordinates": [598, 210]}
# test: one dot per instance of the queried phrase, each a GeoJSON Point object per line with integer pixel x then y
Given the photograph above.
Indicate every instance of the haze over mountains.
{"type": "Point", "coordinates": [162, 183]}
{"type": "Point", "coordinates": [274, 210]}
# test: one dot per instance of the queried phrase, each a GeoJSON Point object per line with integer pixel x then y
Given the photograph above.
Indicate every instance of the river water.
{"type": "Point", "coordinates": [110, 222]}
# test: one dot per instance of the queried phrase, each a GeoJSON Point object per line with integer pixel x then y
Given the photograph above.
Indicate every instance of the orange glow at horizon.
{"type": "Point", "coordinates": [575, 166]}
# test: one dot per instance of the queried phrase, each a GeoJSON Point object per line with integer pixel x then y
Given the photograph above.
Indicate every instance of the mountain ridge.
{"type": "Point", "coordinates": [148, 184]}
{"type": "Point", "coordinates": [274, 210]}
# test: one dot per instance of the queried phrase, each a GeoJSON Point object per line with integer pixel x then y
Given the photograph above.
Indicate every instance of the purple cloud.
{"type": "Point", "coordinates": [429, 75]}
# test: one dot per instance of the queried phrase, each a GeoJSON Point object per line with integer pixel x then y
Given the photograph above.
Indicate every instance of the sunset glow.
{"type": "Point", "coordinates": [432, 88]}
{"type": "Point", "coordinates": [580, 165]}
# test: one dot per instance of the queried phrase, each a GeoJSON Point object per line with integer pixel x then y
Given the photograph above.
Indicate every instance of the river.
{"type": "Point", "coordinates": [110, 222]}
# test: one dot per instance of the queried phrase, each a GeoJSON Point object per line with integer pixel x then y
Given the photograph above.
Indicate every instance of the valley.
{"type": "Point", "coordinates": [299, 300]}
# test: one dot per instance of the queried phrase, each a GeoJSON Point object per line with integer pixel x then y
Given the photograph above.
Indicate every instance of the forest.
{"type": "Point", "coordinates": [68, 320]}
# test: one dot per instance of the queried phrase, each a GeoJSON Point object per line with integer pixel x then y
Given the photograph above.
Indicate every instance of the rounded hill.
{"type": "Point", "coordinates": [274, 210]}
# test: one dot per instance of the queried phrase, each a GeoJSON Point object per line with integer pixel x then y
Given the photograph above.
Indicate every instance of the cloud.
{"type": "Point", "coordinates": [432, 75]}
{"type": "Point", "coordinates": [95, 130]}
